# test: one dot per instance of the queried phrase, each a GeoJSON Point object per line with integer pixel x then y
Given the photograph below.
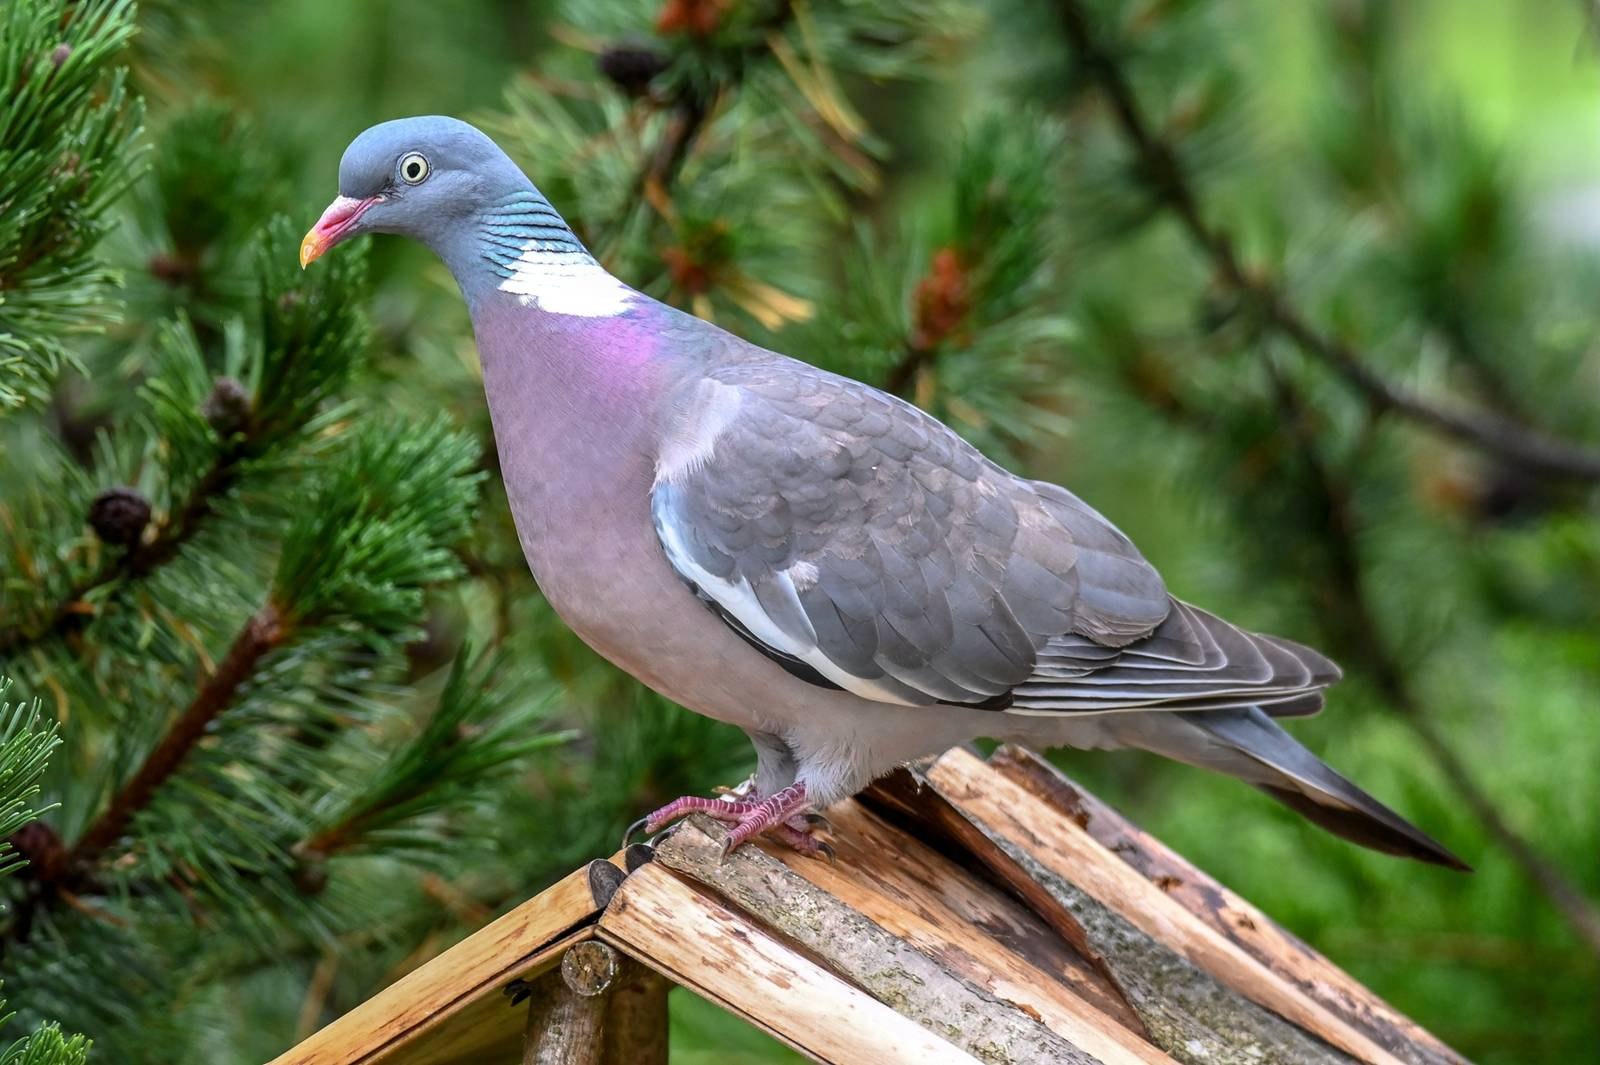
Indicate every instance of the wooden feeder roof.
{"type": "Point", "coordinates": [979, 911]}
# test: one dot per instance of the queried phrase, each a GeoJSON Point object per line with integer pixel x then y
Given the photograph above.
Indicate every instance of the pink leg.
{"type": "Point", "coordinates": [782, 815]}
{"type": "Point", "coordinates": [734, 810]}
{"type": "Point", "coordinates": [774, 810]}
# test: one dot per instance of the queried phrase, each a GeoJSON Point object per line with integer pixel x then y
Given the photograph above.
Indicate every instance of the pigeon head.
{"type": "Point", "coordinates": [425, 178]}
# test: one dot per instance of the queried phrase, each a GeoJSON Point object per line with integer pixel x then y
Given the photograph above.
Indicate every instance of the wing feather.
{"type": "Point", "coordinates": [867, 547]}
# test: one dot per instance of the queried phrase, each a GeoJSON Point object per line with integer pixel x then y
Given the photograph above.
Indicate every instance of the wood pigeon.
{"type": "Point", "coordinates": [798, 554]}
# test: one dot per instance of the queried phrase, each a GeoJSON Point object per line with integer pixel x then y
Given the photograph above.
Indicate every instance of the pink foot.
{"type": "Point", "coordinates": [731, 810]}
{"type": "Point", "coordinates": [782, 814]}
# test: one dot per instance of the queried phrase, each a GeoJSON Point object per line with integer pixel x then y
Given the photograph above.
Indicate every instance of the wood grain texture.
{"type": "Point", "coordinates": [1208, 999]}
{"type": "Point", "coordinates": [590, 967]}
{"type": "Point", "coordinates": [960, 918]}
{"type": "Point", "coordinates": [466, 979]}
{"type": "Point", "coordinates": [1234, 918]}
{"type": "Point", "coordinates": [485, 1028]}
{"type": "Point", "coordinates": [636, 1019]}
{"type": "Point", "coordinates": [564, 1025]}
{"type": "Point", "coordinates": [728, 958]}
{"type": "Point", "coordinates": [921, 984]}
{"type": "Point", "coordinates": [978, 911]}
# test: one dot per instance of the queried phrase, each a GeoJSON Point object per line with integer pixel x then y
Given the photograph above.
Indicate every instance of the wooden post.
{"type": "Point", "coordinates": [636, 1018]}
{"type": "Point", "coordinates": [568, 1007]}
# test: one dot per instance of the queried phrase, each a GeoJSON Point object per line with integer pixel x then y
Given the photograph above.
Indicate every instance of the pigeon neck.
{"type": "Point", "coordinates": [520, 246]}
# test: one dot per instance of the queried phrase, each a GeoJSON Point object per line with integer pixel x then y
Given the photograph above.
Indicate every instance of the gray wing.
{"type": "Point", "coordinates": [868, 547]}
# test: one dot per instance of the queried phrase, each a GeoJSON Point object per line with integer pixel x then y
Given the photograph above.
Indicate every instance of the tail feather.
{"type": "Point", "coordinates": [1250, 745]}
{"type": "Point", "coordinates": [1385, 832]}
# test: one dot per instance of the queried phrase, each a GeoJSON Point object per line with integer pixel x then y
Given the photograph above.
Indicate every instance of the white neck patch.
{"type": "Point", "coordinates": [566, 282]}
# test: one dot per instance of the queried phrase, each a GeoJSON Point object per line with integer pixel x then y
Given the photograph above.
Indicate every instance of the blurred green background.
{"type": "Point", "coordinates": [1419, 178]}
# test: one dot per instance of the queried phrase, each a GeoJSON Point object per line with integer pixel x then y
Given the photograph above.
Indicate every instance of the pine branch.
{"type": "Point", "coordinates": [1163, 175]}
{"type": "Point", "coordinates": [378, 526]}
{"type": "Point", "coordinates": [660, 172]}
{"type": "Point", "coordinates": [691, 108]}
{"type": "Point", "coordinates": [141, 559]}
{"type": "Point", "coordinates": [994, 264]}
{"type": "Point", "coordinates": [313, 338]}
{"type": "Point", "coordinates": [68, 126]}
{"type": "Point", "coordinates": [261, 633]}
{"type": "Point", "coordinates": [1364, 636]}
{"type": "Point", "coordinates": [482, 728]}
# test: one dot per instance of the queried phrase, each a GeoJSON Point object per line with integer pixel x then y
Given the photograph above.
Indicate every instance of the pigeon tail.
{"type": "Point", "coordinates": [1250, 745]}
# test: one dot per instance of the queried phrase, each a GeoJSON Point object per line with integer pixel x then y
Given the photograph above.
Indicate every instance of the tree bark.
{"type": "Point", "coordinates": [566, 1014]}
{"type": "Point", "coordinates": [636, 1018]}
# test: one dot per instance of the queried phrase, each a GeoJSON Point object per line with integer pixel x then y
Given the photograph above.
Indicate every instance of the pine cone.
{"type": "Point", "coordinates": [310, 874]}
{"type": "Point", "coordinates": [631, 66]}
{"type": "Point", "coordinates": [44, 850]}
{"type": "Point", "coordinates": [227, 407]}
{"type": "Point", "coordinates": [119, 515]}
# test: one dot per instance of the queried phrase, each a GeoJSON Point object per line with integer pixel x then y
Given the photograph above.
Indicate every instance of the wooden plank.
{"type": "Point", "coordinates": [467, 976]}
{"type": "Point", "coordinates": [726, 957]}
{"type": "Point", "coordinates": [960, 918]}
{"type": "Point", "coordinates": [965, 924]}
{"type": "Point", "coordinates": [1234, 918]}
{"type": "Point", "coordinates": [1061, 858]}
{"type": "Point", "coordinates": [1184, 1010]}
{"type": "Point", "coordinates": [917, 984]}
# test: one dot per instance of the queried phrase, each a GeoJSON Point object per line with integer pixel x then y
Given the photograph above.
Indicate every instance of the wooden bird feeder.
{"type": "Point", "coordinates": [979, 911]}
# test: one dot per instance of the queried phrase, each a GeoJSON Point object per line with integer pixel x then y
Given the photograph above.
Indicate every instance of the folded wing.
{"type": "Point", "coordinates": [865, 546]}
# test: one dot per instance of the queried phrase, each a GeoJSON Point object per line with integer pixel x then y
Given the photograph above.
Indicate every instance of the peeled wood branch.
{"type": "Point", "coordinates": [928, 940]}
{"type": "Point", "coordinates": [568, 1007]}
{"type": "Point", "coordinates": [1233, 918]}
{"type": "Point", "coordinates": [636, 1018]}
{"type": "Point", "coordinates": [886, 966]}
{"type": "Point", "coordinates": [1163, 175]}
{"type": "Point", "coordinates": [1199, 996]}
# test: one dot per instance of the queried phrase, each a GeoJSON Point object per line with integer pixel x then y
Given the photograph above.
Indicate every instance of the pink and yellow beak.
{"type": "Point", "coordinates": [335, 224]}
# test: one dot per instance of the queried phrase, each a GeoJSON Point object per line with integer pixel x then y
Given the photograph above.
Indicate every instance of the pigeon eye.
{"type": "Point", "coordinates": [413, 168]}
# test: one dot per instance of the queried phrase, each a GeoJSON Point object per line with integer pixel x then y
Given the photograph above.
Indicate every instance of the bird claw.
{"type": "Point", "coordinates": [652, 833]}
{"type": "Point", "coordinates": [795, 839]}
{"type": "Point", "coordinates": [782, 816]}
{"type": "Point", "coordinates": [633, 830]}
{"type": "Point", "coordinates": [814, 820]}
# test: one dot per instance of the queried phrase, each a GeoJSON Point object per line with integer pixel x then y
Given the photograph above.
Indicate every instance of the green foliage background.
{"type": "Point", "coordinates": [1420, 180]}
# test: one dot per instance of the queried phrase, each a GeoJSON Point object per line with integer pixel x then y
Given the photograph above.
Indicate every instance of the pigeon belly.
{"type": "Point", "coordinates": [573, 433]}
